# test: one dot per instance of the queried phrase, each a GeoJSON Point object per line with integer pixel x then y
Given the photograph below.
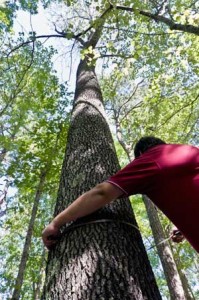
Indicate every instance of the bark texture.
{"type": "Point", "coordinates": [165, 254]}
{"type": "Point", "coordinates": [104, 260]}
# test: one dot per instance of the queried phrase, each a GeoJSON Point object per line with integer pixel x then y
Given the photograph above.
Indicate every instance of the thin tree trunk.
{"type": "Point", "coordinates": [37, 286]}
{"type": "Point", "coordinates": [164, 251]}
{"type": "Point", "coordinates": [25, 253]}
{"type": "Point", "coordinates": [186, 287]}
{"type": "Point", "coordinates": [103, 257]}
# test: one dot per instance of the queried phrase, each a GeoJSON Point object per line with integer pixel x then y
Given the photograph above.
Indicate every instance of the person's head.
{"type": "Point", "coordinates": [146, 143]}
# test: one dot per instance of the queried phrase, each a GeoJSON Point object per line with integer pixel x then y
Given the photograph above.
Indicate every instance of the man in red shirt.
{"type": "Point", "coordinates": [167, 173]}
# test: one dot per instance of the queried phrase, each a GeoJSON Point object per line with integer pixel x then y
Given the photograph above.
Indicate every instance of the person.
{"type": "Point", "coordinates": [167, 173]}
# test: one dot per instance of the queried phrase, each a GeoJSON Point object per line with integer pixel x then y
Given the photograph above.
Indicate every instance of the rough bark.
{"type": "Point", "coordinates": [104, 260]}
{"type": "Point", "coordinates": [165, 254]}
{"type": "Point", "coordinates": [25, 253]}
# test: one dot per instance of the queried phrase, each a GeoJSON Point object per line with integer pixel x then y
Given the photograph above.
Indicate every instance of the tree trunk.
{"type": "Point", "coordinates": [100, 256]}
{"type": "Point", "coordinates": [165, 254]}
{"type": "Point", "coordinates": [24, 256]}
{"type": "Point", "coordinates": [37, 286]}
{"type": "Point", "coordinates": [187, 289]}
{"type": "Point", "coordinates": [189, 295]}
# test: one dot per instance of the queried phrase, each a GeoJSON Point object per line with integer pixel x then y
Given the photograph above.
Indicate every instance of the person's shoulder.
{"type": "Point", "coordinates": [182, 147]}
{"type": "Point", "coordinates": [171, 147]}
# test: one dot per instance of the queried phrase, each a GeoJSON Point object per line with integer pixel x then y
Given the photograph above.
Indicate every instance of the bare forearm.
{"type": "Point", "coordinates": [84, 205]}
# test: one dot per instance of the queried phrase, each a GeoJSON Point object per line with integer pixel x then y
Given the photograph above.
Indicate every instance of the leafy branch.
{"type": "Point", "coordinates": [19, 86]}
{"type": "Point", "coordinates": [160, 18]}
{"type": "Point", "coordinates": [178, 110]}
{"type": "Point", "coordinates": [33, 39]}
{"type": "Point", "coordinates": [141, 33]}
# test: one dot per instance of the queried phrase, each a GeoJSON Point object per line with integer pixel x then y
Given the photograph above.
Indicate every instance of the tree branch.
{"type": "Point", "coordinates": [130, 97]}
{"type": "Point", "coordinates": [119, 135]}
{"type": "Point", "coordinates": [142, 33]}
{"type": "Point", "coordinates": [33, 40]}
{"type": "Point", "coordinates": [71, 59]}
{"type": "Point", "coordinates": [93, 39]}
{"type": "Point", "coordinates": [170, 23]}
{"type": "Point", "coordinates": [62, 34]}
{"type": "Point", "coordinates": [178, 110]}
{"type": "Point", "coordinates": [116, 55]}
{"type": "Point", "coordinates": [132, 108]}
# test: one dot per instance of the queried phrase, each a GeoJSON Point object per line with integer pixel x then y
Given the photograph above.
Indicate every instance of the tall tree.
{"type": "Point", "coordinates": [91, 261]}
{"type": "Point", "coordinates": [173, 278]}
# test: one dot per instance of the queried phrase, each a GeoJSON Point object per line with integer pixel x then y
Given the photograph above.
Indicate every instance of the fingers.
{"type": "Point", "coordinates": [49, 243]}
{"type": "Point", "coordinates": [178, 239]}
{"type": "Point", "coordinates": [177, 236]}
{"type": "Point", "coordinates": [50, 236]}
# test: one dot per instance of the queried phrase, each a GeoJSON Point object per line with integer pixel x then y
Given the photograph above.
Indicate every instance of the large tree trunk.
{"type": "Point", "coordinates": [100, 256]}
{"type": "Point", "coordinates": [165, 254]}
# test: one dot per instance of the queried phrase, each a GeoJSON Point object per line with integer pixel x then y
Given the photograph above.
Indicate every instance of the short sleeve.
{"type": "Point", "coordinates": [137, 177]}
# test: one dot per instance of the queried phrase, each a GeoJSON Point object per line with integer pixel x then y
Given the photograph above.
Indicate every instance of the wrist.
{"type": "Point", "coordinates": [55, 223]}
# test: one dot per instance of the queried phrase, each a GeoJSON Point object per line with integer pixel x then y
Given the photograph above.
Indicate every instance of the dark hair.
{"type": "Point", "coordinates": [146, 143]}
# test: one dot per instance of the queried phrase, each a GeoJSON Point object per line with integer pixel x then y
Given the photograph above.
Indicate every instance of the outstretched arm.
{"type": "Point", "coordinates": [86, 204]}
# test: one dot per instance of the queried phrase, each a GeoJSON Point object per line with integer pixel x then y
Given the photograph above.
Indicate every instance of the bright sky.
{"type": "Point", "coordinates": [42, 25]}
{"type": "Point", "coordinates": [2, 2]}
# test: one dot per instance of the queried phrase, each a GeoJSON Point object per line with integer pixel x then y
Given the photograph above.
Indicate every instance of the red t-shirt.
{"type": "Point", "coordinates": [169, 176]}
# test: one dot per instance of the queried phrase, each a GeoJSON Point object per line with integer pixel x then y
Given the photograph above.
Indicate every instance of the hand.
{"type": "Point", "coordinates": [177, 236]}
{"type": "Point", "coordinates": [51, 235]}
